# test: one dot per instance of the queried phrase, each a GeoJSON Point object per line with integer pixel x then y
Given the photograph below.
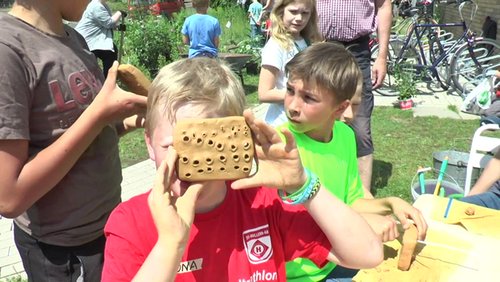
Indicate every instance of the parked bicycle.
{"type": "Point", "coordinates": [424, 52]}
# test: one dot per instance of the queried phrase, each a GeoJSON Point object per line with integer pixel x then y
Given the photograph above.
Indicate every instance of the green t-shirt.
{"type": "Point", "coordinates": [336, 165]}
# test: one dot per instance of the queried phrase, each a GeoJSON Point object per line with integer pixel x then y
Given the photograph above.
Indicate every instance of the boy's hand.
{"type": "Point", "coordinates": [404, 211]}
{"type": "Point", "coordinates": [134, 122]}
{"type": "Point", "coordinates": [278, 163]}
{"type": "Point", "coordinates": [383, 225]}
{"type": "Point", "coordinates": [172, 216]}
{"type": "Point", "coordinates": [113, 103]}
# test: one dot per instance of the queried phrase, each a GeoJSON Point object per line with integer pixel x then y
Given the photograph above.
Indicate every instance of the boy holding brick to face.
{"type": "Point", "coordinates": [221, 230]}
{"type": "Point", "coordinates": [319, 90]}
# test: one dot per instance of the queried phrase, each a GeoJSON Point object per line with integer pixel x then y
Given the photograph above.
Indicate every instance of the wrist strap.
{"type": "Point", "coordinates": [306, 192]}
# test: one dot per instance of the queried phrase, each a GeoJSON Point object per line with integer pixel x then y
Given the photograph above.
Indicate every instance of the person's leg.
{"type": "Point", "coordinates": [365, 167]}
{"type": "Point", "coordinates": [253, 31]}
{"type": "Point", "coordinates": [91, 259]}
{"type": "Point", "coordinates": [362, 120]}
{"type": "Point", "coordinates": [107, 58]}
{"type": "Point", "coordinates": [44, 262]}
{"type": "Point", "coordinates": [341, 274]}
{"type": "Point", "coordinates": [486, 199]}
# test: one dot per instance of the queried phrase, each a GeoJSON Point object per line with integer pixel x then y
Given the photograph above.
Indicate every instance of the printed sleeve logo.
{"type": "Point", "coordinates": [257, 243]}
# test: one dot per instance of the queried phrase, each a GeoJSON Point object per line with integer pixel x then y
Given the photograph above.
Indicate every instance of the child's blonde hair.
{"type": "Point", "coordinates": [329, 67]}
{"type": "Point", "coordinates": [279, 32]}
{"type": "Point", "coordinates": [202, 81]}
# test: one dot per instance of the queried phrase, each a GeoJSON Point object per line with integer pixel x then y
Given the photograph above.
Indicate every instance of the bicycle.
{"type": "Point", "coordinates": [409, 15]}
{"type": "Point", "coordinates": [459, 62]}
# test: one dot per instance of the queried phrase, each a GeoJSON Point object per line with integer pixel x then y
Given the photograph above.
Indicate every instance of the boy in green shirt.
{"type": "Point", "coordinates": [319, 90]}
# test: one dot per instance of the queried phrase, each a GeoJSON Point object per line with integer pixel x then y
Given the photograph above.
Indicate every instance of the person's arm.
{"type": "Point", "coordinates": [24, 180]}
{"type": "Point", "coordinates": [384, 15]}
{"type": "Point", "coordinates": [396, 206]}
{"type": "Point", "coordinates": [130, 124]}
{"type": "Point", "coordinates": [269, 3]}
{"type": "Point", "coordinates": [185, 39]}
{"type": "Point", "coordinates": [490, 175]}
{"type": "Point", "coordinates": [267, 85]}
{"type": "Point", "coordinates": [259, 18]}
{"type": "Point", "coordinates": [355, 245]}
{"type": "Point", "coordinates": [216, 42]}
{"type": "Point", "coordinates": [185, 32]}
{"type": "Point", "coordinates": [218, 32]}
{"type": "Point", "coordinates": [173, 219]}
{"type": "Point", "coordinates": [101, 16]}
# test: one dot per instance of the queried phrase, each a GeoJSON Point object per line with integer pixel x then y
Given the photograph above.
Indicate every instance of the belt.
{"type": "Point", "coordinates": [359, 40]}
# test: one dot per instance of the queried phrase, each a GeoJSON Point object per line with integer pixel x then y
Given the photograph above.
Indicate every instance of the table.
{"type": "Point", "coordinates": [453, 253]}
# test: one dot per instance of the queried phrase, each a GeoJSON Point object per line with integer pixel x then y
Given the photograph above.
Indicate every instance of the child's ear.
{"type": "Point", "coordinates": [342, 107]}
{"type": "Point", "coordinates": [151, 152]}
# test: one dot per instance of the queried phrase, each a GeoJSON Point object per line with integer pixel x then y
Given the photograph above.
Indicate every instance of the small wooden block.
{"type": "Point", "coordinates": [408, 247]}
{"type": "Point", "coordinates": [133, 78]}
{"type": "Point", "coordinates": [470, 211]}
{"type": "Point", "coordinates": [213, 149]}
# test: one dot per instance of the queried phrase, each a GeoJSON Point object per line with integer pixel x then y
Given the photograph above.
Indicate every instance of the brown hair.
{"type": "Point", "coordinates": [202, 81]}
{"type": "Point", "coordinates": [328, 66]}
{"type": "Point", "coordinates": [200, 3]}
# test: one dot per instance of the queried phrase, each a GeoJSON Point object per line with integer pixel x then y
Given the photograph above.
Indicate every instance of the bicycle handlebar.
{"type": "Point", "coordinates": [461, 4]}
{"type": "Point", "coordinates": [458, 2]}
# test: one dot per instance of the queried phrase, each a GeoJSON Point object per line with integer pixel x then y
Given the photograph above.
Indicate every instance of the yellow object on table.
{"type": "Point", "coordinates": [476, 219]}
{"type": "Point", "coordinates": [451, 252]}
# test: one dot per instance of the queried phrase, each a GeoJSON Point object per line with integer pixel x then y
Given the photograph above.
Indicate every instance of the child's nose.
{"type": "Point", "coordinates": [293, 106]}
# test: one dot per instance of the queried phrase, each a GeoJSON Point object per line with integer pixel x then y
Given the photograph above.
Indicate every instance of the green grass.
{"type": "Point", "coordinates": [403, 142]}
{"type": "Point", "coordinates": [133, 148]}
{"type": "Point", "coordinates": [16, 278]}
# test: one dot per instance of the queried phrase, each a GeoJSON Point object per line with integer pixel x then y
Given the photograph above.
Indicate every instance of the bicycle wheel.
{"type": "Point", "coordinates": [410, 57]}
{"type": "Point", "coordinates": [464, 71]}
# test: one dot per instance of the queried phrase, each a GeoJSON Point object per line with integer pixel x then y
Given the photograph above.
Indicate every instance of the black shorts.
{"type": "Point", "coordinates": [44, 262]}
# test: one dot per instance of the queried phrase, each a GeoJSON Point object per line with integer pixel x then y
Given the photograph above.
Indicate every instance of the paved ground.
{"type": "Point", "coordinates": [139, 177]}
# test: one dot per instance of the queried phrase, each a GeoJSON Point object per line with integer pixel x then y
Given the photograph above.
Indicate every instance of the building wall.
{"type": "Point", "coordinates": [485, 8]}
{"type": "Point", "coordinates": [6, 3]}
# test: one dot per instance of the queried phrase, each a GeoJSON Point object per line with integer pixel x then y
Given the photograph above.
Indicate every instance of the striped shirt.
{"type": "Point", "coordinates": [346, 20]}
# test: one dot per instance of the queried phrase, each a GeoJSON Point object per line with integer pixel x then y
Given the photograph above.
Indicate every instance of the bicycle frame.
{"type": "Point", "coordinates": [420, 30]}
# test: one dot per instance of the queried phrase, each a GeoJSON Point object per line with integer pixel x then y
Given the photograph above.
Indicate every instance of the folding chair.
{"type": "Point", "coordinates": [480, 152]}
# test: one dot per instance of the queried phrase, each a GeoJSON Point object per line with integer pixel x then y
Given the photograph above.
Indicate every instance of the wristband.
{"type": "Point", "coordinates": [306, 192]}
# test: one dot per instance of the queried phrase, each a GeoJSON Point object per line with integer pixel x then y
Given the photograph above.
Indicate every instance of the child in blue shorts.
{"type": "Point", "coordinates": [201, 32]}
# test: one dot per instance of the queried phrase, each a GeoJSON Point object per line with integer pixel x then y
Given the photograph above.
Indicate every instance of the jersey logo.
{"type": "Point", "coordinates": [257, 243]}
{"type": "Point", "coordinates": [190, 265]}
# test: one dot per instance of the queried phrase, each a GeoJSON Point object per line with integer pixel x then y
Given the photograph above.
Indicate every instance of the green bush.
{"type": "Point", "coordinates": [117, 5]}
{"type": "Point", "coordinates": [406, 83]}
{"type": "Point", "coordinates": [222, 3]}
{"type": "Point", "coordinates": [153, 41]}
{"type": "Point", "coordinates": [150, 42]}
{"type": "Point", "coordinates": [239, 27]}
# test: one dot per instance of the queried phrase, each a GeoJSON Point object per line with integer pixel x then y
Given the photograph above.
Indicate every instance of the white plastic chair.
{"type": "Point", "coordinates": [480, 152]}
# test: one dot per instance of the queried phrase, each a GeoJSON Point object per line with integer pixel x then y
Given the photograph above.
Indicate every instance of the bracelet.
{"type": "Point", "coordinates": [306, 192]}
{"type": "Point", "coordinates": [295, 195]}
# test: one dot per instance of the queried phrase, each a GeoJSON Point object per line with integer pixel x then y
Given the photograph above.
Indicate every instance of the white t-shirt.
{"type": "Point", "coordinates": [276, 56]}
